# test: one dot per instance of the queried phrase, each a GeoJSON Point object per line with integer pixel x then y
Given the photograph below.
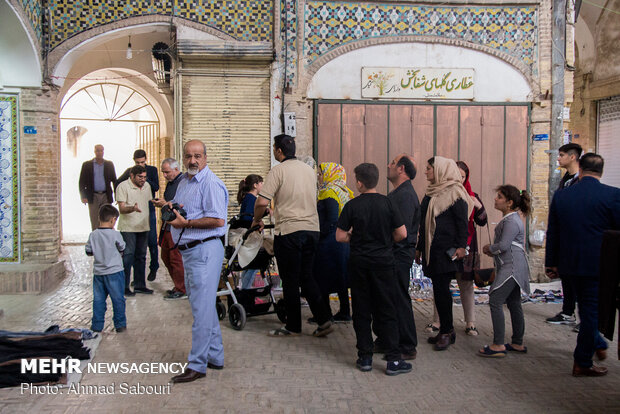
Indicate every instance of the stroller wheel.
{"type": "Point", "coordinates": [281, 310]}
{"type": "Point", "coordinates": [221, 310]}
{"type": "Point", "coordinates": [236, 316]}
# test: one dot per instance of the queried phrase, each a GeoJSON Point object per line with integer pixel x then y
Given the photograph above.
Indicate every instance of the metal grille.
{"type": "Point", "coordinates": [609, 109]}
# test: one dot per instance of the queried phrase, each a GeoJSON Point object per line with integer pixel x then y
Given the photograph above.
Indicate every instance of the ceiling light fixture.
{"type": "Point", "coordinates": [129, 54]}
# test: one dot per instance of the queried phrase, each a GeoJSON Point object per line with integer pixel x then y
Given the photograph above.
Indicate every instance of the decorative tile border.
{"type": "Point", "coordinates": [510, 29]}
{"type": "Point", "coordinates": [32, 8]}
{"type": "Point", "coordinates": [288, 13]}
{"type": "Point", "coordinates": [9, 222]}
{"type": "Point", "coordinates": [248, 20]}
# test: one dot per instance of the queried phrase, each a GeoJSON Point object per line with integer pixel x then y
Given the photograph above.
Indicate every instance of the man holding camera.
{"type": "Point", "coordinates": [198, 235]}
{"type": "Point", "coordinates": [133, 198]}
{"type": "Point", "coordinates": [169, 255]}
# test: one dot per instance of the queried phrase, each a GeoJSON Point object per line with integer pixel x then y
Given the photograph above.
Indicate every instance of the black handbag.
{"type": "Point", "coordinates": [484, 277]}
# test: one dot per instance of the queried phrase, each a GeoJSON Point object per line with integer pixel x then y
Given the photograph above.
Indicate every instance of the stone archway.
{"type": "Point", "coordinates": [118, 116]}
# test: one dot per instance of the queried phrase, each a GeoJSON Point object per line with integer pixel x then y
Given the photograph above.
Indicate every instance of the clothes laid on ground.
{"type": "Point", "coordinates": [15, 346]}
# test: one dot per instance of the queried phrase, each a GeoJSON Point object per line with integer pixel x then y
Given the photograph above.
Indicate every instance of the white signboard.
{"type": "Point", "coordinates": [417, 83]}
{"type": "Point", "coordinates": [289, 124]}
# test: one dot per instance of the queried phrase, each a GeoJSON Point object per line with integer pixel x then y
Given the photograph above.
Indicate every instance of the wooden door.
{"type": "Point", "coordinates": [491, 139]}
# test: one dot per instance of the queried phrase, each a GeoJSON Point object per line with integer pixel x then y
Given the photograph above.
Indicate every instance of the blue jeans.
{"type": "Point", "coordinates": [152, 242]}
{"type": "Point", "coordinates": [247, 278]}
{"type": "Point", "coordinates": [203, 264]}
{"type": "Point", "coordinates": [135, 256]}
{"type": "Point", "coordinates": [589, 339]}
{"type": "Point", "coordinates": [113, 285]}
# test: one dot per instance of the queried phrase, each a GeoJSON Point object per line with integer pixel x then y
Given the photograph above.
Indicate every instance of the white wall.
{"type": "Point", "coordinates": [495, 80]}
{"type": "Point", "coordinates": [19, 63]}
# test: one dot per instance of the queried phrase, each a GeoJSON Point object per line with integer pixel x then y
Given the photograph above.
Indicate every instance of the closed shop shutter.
{"type": "Point", "coordinates": [229, 111]}
{"type": "Point", "coordinates": [609, 139]}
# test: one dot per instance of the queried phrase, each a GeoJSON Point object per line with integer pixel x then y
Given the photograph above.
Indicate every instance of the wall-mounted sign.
{"type": "Point", "coordinates": [541, 137]}
{"type": "Point", "coordinates": [417, 83]}
{"type": "Point", "coordinates": [566, 113]}
{"type": "Point", "coordinates": [289, 124]}
{"type": "Point", "coordinates": [30, 130]}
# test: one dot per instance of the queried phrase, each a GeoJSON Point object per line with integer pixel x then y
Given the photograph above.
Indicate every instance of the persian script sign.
{"type": "Point", "coordinates": [417, 83]}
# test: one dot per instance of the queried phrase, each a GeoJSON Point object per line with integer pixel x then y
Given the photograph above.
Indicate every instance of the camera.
{"type": "Point", "coordinates": [167, 213]}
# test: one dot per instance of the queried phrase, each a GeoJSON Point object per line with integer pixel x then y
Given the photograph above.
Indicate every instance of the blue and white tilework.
{"type": "Point", "coordinates": [288, 24]}
{"type": "Point", "coordinates": [9, 236]}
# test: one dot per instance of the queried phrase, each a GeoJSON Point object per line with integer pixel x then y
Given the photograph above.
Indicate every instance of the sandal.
{"type": "Point", "coordinates": [488, 352]}
{"type": "Point", "coordinates": [431, 328]}
{"type": "Point", "coordinates": [282, 332]}
{"type": "Point", "coordinates": [513, 349]}
{"type": "Point", "coordinates": [472, 331]}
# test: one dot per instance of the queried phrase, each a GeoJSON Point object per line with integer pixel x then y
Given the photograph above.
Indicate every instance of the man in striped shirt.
{"type": "Point", "coordinates": [205, 199]}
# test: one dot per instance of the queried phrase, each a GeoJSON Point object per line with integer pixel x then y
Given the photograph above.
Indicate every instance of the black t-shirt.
{"type": "Point", "coordinates": [373, 218]}
{"type": "Point", "coordinates": [406, 200]}
{"type": "Point", "coordinates": [568, 180]}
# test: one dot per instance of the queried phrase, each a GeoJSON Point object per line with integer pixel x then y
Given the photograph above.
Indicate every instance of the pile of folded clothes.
{"type": "Point", "coordinates": [546, 296]}
{"type": "Point", "coordinates": [53, 343]}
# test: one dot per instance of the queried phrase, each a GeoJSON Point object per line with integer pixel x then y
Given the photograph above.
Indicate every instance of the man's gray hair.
{"type": "Point", "coordinates": [204, 146]}
{"type": "Point", "coordinates": [172, 163]}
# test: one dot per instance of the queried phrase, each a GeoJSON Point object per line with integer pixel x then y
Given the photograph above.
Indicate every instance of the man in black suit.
{"type": "Point", "coordinates": [95, 189]}
{"type": "Point", "coordinates": [139, 157]}
{"type": "Point", "coordinates": [578, 216]}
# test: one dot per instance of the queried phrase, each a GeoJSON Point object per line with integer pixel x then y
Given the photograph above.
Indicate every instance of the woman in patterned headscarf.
{"type": "Point", "coordinates": [446, 208]}
{"type": "Point", "coordinates": [330, 269]}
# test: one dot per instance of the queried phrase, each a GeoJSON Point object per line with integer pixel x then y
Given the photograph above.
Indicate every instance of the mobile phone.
{"type": "Point", "coordinates": [451, 252]}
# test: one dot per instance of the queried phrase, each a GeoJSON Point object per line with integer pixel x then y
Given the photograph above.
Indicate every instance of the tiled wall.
{"type": "Point", "coordinates": [288, 14]}
{"type": "Point", "coordinates": [9, 236]}
{"type": "Point", "coordinates": [248, 20]}
{"type": "Point", "coordinates": [329, 24]}
{"type": "Point", "coordinates": [32, 8]}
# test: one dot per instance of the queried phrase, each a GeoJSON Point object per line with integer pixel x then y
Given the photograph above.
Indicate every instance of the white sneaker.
{"type": "Point", "coordinates": [562, 319]}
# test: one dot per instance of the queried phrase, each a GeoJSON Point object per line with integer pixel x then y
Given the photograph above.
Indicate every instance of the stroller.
{"type": "Point", "coordinates": [244, 303]}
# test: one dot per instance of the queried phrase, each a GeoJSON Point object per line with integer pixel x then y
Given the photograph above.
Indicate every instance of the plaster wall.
{"type": "Point", "coordinates": [20, 64]}
{"type": "Point", "coordinates": [494, 80]}
{"type": "Point", "coordinates": [608, 44]}
{"type": "Point", "coordinates": [597, 74]}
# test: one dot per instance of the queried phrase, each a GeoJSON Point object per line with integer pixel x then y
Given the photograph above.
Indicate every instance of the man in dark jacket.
{"type": "Point", "coordinates": [95, 189]}
{"type": "Point", "coordinates": [139, 157]}
{"type": "Point", "coordinates": [578, 216]}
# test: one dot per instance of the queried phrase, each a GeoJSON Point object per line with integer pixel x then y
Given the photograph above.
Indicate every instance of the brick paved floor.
{"type": "Point", "coordinates": [307, 374]}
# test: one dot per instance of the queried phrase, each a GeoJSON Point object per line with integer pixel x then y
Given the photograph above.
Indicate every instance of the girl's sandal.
{"type": "Point", "coordinates": [472, 331]}
{"type": "Point", "coordinates": [431, 328]}
{"type": "Point", "coordinates": [487, 352]}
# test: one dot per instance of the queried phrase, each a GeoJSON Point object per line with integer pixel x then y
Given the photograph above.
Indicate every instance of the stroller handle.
{"type": "Point", "coordinates": [253, 229]}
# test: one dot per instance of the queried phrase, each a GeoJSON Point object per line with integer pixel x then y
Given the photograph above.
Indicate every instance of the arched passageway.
{"type": "Point", "coordinates": [117, 116]}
